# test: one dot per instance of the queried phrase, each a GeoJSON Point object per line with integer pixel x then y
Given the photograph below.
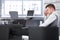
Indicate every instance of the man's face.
{"type": "Point", "coordinates": [47, 11]}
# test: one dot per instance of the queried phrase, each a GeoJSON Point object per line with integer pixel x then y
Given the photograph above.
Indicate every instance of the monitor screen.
{"type": "Point", "coordinates": [30, 13]}
{"type": "Point", "coordinates": [13, 14]}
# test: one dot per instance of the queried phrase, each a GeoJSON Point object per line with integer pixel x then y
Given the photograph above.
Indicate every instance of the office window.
{"type": "Point", "coordinates": [32, 5]}
{"type": "Point", "coordinates": [11, 6]}
{"type": "Point", "coordinates": [22, 7]}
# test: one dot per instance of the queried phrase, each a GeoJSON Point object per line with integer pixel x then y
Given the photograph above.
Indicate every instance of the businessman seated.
{"type": "Point", "coordinates": [50, 15]}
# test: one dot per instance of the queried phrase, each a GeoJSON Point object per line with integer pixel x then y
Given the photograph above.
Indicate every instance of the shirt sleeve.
{"type": "Point", "coordinates": [50, 19]}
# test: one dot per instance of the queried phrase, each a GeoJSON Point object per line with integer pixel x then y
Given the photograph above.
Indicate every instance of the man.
{"type": "Point", "coordinates": [50, 15]}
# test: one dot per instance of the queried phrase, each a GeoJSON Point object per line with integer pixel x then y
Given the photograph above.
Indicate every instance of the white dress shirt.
{"type": "Point", "coordinates": [49, 20]}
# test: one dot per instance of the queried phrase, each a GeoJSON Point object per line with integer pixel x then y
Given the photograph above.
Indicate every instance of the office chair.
{"type": "Point", "coordinates": [15, 30]}
{"type": "Point", "coordinates": [43, 33]}
{"type": "Point", "coordinates": [20, 21]}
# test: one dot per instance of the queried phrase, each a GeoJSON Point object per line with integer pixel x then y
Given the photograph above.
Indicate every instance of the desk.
{"type": "Point", "coordinates": [41, 18]}
{"type": "Point", "coordinates": [24, 17]}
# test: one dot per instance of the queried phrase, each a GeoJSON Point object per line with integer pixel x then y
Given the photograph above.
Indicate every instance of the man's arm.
{"type": "Point", "coordinates": [50, 19]}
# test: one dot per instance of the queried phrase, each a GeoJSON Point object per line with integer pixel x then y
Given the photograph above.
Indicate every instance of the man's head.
{"type": "Point", "coordinates": [49, 9]}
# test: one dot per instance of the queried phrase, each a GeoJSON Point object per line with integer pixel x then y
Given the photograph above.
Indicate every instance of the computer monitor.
{"type": "Point", "coordinates": [30, 13]}
{"type": "Point", "coordinates": [13, 14]}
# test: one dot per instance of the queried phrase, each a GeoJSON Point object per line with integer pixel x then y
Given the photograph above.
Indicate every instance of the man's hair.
{"type": "Point", "coordinates": [50, 5]}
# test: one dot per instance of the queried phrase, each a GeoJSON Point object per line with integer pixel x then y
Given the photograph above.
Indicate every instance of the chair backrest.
{"type": "Point", "coordinates": [52, 33]}
{"type": "Point", "coordinates": [22, 22]}
{"type": "Point", "coordinates": [37, 33]}
{"type": "Point", "coordinates": [43, 33]}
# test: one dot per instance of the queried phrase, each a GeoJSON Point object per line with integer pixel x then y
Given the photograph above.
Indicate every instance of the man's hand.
{"type": "Point", "coordinates": [45, 13]}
